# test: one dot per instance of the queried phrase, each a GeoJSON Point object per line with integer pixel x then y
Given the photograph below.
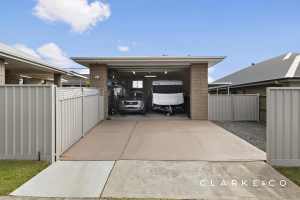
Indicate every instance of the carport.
{"type": "Point", "coordinates": [191, 70]}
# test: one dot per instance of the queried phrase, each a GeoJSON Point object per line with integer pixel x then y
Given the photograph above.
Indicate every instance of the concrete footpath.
{"type": "Point", "coordinates": [77, 179]}
{"type": "Point", "coordinates": [198, 180]}
{"type": "Point", "coordinates": [162, 180]}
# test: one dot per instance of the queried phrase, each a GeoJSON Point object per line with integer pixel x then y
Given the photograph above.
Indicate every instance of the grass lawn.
{"type": "Point", "coordinates": [292, 173]}
{"type": "Point", "coordinates": [15, 173]}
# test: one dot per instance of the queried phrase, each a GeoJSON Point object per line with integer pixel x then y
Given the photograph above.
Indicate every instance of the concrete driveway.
{"type": "Point", "coordinates": [167, 159]}
{"type": "Point", "coordinates": [162, 140]}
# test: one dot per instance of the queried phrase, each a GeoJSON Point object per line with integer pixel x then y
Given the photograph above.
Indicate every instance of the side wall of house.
{"type": "Point", "coordinates": [99, 79]}
{"type": "Point", "coordinates": [199, 91]}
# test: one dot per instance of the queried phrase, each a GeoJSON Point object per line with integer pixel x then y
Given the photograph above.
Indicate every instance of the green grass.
{"type": "Point", "coordinates": [292, 173]}
{"type": "Point", "coordinates": [15, 173]}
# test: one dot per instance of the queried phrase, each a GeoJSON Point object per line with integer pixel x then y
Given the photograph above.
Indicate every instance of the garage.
{"type": "Point", "coordinates": [164, 85]}
{"type": "Point", "coordinates": [152, 92]}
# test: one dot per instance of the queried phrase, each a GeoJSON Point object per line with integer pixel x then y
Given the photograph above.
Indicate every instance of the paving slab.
{"type": "Point", "coordinates": [68, 179]}
{"type": "Point", "coordinates": [198, 180]}
{"type": "Point", "coordinates": [187, 140]}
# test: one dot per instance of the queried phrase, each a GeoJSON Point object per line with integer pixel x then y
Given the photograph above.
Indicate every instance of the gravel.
{"type": "Point", "coordinates": [252, 132]}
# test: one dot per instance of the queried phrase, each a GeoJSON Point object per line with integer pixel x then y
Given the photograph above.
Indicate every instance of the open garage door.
{"type": "Point", "coordinates": [149, 93]}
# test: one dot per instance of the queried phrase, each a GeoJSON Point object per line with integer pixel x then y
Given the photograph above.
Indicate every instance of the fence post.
{"type": "Point", "coordinates": [53, 124]}
{"type": "Point", "coordinates": [232, 107]}
{"type": "Point", "coordinates": [258, 107]}
{"type": "Point", "coordinates": [82, 111]}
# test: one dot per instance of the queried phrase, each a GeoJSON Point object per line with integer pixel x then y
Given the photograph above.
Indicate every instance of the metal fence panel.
{"type": "Point", "coordinates": [233, 107]}
{"type": "Point", "coordinates": [283, 126]}
{"type": "Point", "coordinates": [44, 121]}
{"type": "Point", "coordinates": [78, 110]}
{"type": "Point", "coordinates": [245, 107]}
{"type": "Point", "coordinates": [91, 108]}
{"type": "Point", "coordinates": [68, 118]}
{"type": "Point", "coordinates": [220, 107]}
{"type": "Point", "coordinates": [26, 122]}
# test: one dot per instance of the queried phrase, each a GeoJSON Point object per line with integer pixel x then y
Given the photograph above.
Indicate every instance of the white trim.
{"type": "Point", "coordinates": [293, 68]}
{"type": "Point", "coordinates": [287, 56]}
{"type": "Point", "coordinates": [149, 61]}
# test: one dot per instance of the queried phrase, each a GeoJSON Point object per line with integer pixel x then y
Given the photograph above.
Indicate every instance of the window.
{"type": "Point", "coordinates": [137, 84]}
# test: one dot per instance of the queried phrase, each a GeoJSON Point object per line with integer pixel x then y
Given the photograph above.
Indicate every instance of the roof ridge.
{"type": "Point", "coordinates": [293, 67]}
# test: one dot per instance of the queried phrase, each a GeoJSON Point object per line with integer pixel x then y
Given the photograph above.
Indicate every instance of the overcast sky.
{"type": "Point", "coordinates": [244, 31]}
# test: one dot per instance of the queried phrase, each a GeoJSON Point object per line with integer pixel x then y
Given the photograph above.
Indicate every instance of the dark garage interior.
{"type": "Point", "coordinates": [124, 83]}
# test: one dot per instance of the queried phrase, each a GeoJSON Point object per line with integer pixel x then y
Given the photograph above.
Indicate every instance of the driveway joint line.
{"type": "Point", "coordinates": [104, 186]}
{"type": "Point", "coordinates": [128, 140]}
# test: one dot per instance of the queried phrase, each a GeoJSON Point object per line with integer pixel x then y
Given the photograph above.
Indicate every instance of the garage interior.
{"type": "Point", "coordinates": [123, 80]}
{"type": "Point", "coordinates": [106, 72]}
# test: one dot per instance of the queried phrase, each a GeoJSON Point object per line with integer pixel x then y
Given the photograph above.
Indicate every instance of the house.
{"type": "Point", "coordinates": [280, 71]}
{"type": "Point", "coordinates": [17, 67]}
{"type": "Point", "coordinates": [81, 80]}
{"type": "Point", "coordinates": [191, 70]}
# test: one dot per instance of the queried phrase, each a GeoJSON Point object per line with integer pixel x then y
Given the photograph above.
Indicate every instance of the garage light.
{"type": "Point", "coordinates": [24, 76]}
{"type": "Point", "coordinates": [166, 72]}
{"type": "Point", "coordinates": [133, 72]}
{"type": "Point", "coordinates": [150, 76]}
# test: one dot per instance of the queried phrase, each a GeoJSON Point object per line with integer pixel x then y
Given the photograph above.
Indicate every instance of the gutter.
{"type": "Point", "coordinates": [32, 62]}
{"type": "Point", "coordinates": [254, 83]}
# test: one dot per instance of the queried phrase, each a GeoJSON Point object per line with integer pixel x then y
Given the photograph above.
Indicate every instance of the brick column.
{"type": "Point", "coordinates": [2, 72]}
{"type": "Point", "coordinates": [98, 78]}
{"type": "Point", "coordinates": [57, 80]}
{"type": "Point", "coordinates": [199, 91]}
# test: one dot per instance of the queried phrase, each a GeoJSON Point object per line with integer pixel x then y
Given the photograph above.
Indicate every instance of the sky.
{"type": "Point", "coordinates": [244, 31]}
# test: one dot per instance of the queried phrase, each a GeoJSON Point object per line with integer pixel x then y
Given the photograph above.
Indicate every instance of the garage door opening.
{"type": "Point", "coordinates": [143, 93]}
{"type": "Point", "coordinates": [117, 76]}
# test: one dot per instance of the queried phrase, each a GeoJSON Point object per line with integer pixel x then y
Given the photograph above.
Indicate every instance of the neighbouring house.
{"type": "Point", "coordinates": [280, 71]}
{"type": "Point", "coordinates": [17, 67]}
{"type": "Point", "coordinates": [81, 80]}
{"type": "Point", "coordinates": [140, 72]}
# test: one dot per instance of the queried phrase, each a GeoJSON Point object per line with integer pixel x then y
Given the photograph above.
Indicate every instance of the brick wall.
{"type": "Point", "coordinates": [98, 78]}
{"type": "Point", "coordinates": [199, 91]}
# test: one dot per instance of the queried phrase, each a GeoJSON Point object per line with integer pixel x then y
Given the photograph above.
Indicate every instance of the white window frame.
{"type": "Point", "coordinates": [137, 84]}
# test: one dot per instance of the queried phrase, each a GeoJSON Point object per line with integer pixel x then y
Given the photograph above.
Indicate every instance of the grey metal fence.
{"type": "Point", "coordinates": [26, 116]}
{"type": "Point", "coordinates": [41, 122]}
{"type": "Point", "coordinates": [91, 109]}
{"type": "Point", "coordinates": [78, 110]}
{"type": "Point", "coordinates": [283, 126]}
{"type": "Point", "coordinates": [235, 107]}
{"type": "Point", "coordinates": [68, 118]}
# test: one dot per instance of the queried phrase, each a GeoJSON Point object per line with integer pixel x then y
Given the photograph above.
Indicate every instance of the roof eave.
{"type": "Point", "coordinates": [212, 60]}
